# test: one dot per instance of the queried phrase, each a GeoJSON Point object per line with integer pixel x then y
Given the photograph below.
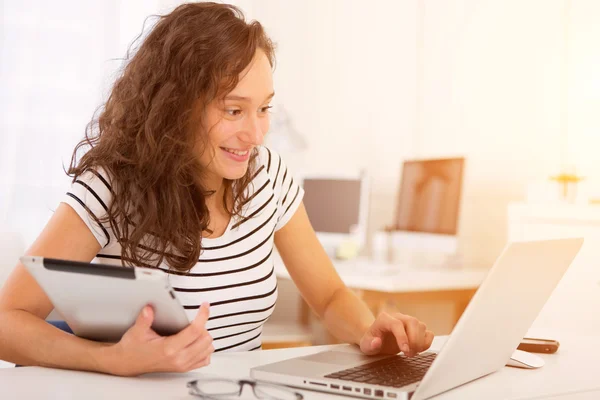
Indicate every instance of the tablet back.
{"type": "Point", "coordinates": [100, 302]}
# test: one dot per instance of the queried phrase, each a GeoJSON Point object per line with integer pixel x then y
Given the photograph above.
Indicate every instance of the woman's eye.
{"type": "Point", "coordinates": [265, 109]}
{"type": "Point", "coordinates": [233, 113]}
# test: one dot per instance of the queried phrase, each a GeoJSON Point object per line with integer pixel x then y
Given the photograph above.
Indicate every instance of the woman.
{"type": "Point", "coordinates": [176, 178]}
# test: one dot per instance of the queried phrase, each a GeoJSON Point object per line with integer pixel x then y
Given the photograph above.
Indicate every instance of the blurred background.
{"type": "Point", "coordinates": [510, 87]}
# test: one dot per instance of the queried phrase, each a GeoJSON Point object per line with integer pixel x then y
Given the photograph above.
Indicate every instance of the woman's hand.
{"type": "Point", "coordinates": [141, 350]}
{"type": "Point", "coordinates": [392, 333]}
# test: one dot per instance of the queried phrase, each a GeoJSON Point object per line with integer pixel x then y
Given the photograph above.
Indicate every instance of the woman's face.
{"type": "Point", "coordinates": [239, 122]}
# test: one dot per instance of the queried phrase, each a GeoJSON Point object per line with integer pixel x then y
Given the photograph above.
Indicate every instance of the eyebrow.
{"type": "Point", "coordinates": [242, 98]}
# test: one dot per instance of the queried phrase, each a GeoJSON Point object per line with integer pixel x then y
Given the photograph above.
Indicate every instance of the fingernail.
{"type": "Point", "coordinates": [405, 348]}
{"type": "Point", "coordinates": [374, 343]}
{"type": "Point", "coordinates": [145, 312]}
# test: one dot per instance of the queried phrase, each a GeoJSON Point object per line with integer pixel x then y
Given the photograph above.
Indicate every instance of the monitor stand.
{"type": "Point", "coordinates": [424, 250]}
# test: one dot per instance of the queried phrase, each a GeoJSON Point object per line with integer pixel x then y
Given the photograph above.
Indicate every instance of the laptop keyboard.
{"type": "Point", "coordinates": [394, 371]}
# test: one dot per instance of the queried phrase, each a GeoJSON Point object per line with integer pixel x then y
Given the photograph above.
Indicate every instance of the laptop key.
{"type": "Point", "coordinates": [392, 372]}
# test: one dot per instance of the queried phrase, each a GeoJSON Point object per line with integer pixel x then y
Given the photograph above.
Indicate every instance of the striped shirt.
{"type": "Point", "coordinates": [235, 271]}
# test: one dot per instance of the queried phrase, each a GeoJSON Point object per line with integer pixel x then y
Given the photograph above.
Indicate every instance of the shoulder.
{"type": "Point", "coordinates": [95, 177]}
{"type": "Point", "coordinates": [284, 188]}
{"type": "Point", "coordinates": [270, 164]}
{"type": "Point", "coordinates": [266, 157]}
{"type": "Point", "coordinates": [93, 183]}
{"type": "Point", "coordinates": [91, 195]}
{"type": "Point", "coordinates": [270, 173]}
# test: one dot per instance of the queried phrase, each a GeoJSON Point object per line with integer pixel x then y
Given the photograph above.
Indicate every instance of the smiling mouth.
{"type": "Point", "coordinates": [241, 153]}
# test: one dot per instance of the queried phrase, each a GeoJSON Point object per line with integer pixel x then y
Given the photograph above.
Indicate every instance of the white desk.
{"type": "Point", "coordinates": [437, 296]}
{"type": "Point", "coordinates": [571, 374]}
{"type": "Point", "coordinates": [371, 275]}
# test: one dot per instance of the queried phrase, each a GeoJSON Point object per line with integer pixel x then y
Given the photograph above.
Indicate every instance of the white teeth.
{"type": "Point", "coordinates": [236, 152]}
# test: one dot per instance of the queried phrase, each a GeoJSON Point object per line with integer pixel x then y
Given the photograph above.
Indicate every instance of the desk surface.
{"type": "Point", "coordinates": [371, 275]}
{"type": "Point", "coordinates": [572, 374]}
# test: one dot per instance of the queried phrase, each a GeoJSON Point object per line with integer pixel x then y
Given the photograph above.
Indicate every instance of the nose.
{"type": "Point", "coordinates": [254, 131]}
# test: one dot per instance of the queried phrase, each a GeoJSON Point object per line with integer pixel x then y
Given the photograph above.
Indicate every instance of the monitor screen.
{"type": "Point", "coordinates": [333, 205]}
{"type": "Point", "coordinates": [429, 199]}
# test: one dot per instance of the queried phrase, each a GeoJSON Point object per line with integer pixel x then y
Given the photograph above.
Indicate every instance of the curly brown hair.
{"type": "Point", "coordinates": [143, 135]}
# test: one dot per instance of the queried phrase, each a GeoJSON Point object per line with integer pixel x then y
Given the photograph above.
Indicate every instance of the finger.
{"type": "Point", "coordinates": [145, 318]}
{"type": "Point", "coordinates": [429, 335]}
{"type": "Point", "coordinates": [399, 331]}
{"type": "Point", "coordinates": [186, 358]}
{"type": "Point", "coordinates": [395, 325]}
{"type": "Point", "coordinates": [422, 343]}
{"type": "Point", "coordinates": [369, 344]}
{"type": "Point", "coordinates": [202, 315]}
{"type": "Point", "coordinates": [192, 332]}
{"type": "Point", "coordinates": [199, 353]}
{"type": "Point", "coordinates": [414, 333]}
{"type": "Point", "coordinates": [202, 363]}
{"type": "Point", "coordinates": [199, 350]}
{"type": "Point", "coordinates": [371, 341]}
{"type": "Point", "coordinates": [422, 338]}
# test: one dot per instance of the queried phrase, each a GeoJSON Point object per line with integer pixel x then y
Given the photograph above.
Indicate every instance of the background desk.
{"type": "Point", "coordinates": [571, 374]}
{"type": "Point", "coordinates": [437, 296]}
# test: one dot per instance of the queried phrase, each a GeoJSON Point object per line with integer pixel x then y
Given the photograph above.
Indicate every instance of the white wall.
{"type": "Point", "coordinates": [347, 73]}
{"type": "Point", "coordinates": [57, 62]}
{"type": "Point", "coordinates": [371, 84]}
{"type": "Point", "coordinates": [583, 88]}
{"type": "Point", "coordinates": [492, 76]}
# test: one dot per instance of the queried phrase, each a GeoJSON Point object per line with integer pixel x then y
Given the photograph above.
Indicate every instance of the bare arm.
{"type": "Point", "coordinates": [25, 338]}
{"type": "Point", "coordinates": [344, 315]}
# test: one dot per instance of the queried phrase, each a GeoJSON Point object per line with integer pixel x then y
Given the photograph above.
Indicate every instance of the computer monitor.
{"type": "Point", "coordinates": [337, 207]}
{"type": "Point", "coordinates": [429, 198]}
{"type": "Point", "coordinates": [427, 214]}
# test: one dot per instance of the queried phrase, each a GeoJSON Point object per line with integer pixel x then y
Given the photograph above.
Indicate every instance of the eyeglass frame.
{"type": "Point", "coordinates": [192, 385]}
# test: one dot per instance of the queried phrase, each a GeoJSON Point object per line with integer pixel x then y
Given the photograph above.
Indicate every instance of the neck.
{"type": "Point", "coordinates": [217, 187]}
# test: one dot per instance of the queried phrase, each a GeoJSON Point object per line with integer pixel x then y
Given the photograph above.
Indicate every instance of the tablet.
{"type": "Point", "coordinates": [100, 302]}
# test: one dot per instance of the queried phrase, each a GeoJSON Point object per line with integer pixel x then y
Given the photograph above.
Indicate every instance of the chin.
{"type": "Point", "coordinates": [235, 174]}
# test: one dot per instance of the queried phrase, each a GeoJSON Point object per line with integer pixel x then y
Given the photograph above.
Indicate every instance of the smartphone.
{"type": "Point", "coordinates": [532, 345]}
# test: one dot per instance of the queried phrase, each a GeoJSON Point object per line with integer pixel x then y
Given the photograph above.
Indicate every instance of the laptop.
{"type": "Point", "coordinates": [492, 326]}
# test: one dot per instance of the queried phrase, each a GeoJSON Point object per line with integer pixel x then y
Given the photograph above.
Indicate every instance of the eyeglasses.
{"type": "Point", "coordinates": [218, 389]}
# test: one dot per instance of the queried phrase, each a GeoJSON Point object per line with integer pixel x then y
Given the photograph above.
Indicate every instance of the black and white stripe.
{"type": "Point", "coordinates": [89, 196]}
{"type": "Point", "coordinates": [235, 271]}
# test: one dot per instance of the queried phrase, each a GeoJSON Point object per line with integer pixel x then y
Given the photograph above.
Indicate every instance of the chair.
{"type": "Point", "coordinates": [289, 325]}
{"type": "Point", "coordinates": [279, 335]}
